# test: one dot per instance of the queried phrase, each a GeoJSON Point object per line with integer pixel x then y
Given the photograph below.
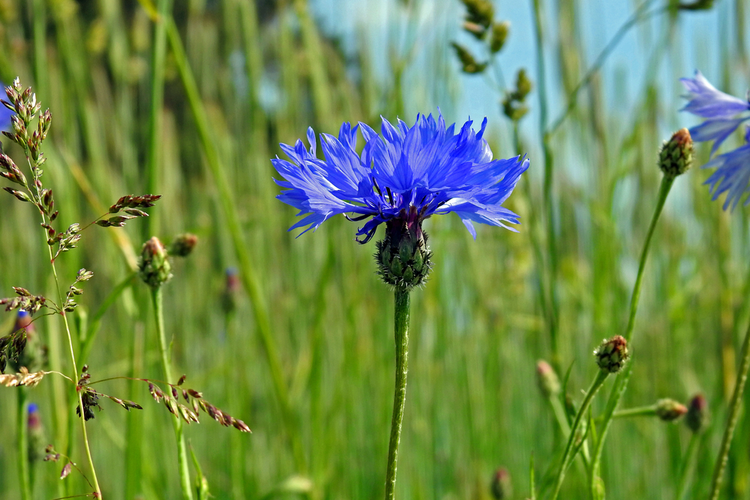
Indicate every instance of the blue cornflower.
{"type": "Point", "coordinates": [406, 174]}
{"type": "Point", "coordinates": [5, 115]}
{"type": "Point", "coordinates": [732, 173]}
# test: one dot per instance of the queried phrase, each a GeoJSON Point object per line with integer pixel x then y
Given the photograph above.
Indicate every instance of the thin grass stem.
{"type": "Point", "coordinates": [601, 376]}
{"type": "Point", "coordinates": [156, 299]}
{"type": "Point", "coordinates": [23, 446]}
{"type": "Point", "coordinates": [734, 413]}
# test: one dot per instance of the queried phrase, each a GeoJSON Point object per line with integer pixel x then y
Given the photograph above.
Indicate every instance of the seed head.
{"type": "Point", "coordinates": [676, 154]}
{"type": "Point", "coordinates": [612, 354]}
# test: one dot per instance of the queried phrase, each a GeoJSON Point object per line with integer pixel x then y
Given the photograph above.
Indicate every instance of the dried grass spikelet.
{"type": "Point", "coordinates": [195, 404]}
{"type": "Point", "coordinates": [23, 377]}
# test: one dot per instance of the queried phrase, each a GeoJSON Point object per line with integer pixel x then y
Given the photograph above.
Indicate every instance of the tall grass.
{"type": "Point", "coordinates": [307, 361]}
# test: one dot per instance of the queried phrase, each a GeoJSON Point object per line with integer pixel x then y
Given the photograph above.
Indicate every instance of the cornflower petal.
{"type": "Point", "coordinates": [706, 101]}
{"type": "Point", "coordinates": [732, 176]}
{"type": "Point", "coordinates": [419, 170]}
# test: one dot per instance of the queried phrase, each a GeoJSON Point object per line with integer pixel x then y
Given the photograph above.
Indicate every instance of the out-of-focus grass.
{"type": "Point", "coordinates": [477, 329]}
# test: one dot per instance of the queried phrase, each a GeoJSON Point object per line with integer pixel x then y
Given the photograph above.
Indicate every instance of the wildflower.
{"type": "Point", "coordinates": [5, 114]}
{"type": "Point", "coordinates": [408, 173]}
{"type": "Point", "coordinates": [721, 111]}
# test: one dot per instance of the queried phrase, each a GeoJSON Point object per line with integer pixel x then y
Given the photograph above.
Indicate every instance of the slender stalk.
{"type": "Point", "coordinates": [23, 446]}
{"type": "Point", "coordinates": [687, 465]}
{"type": "Point", "coordinates": [734, 413]}
{"type": "Point", "coordinates": [621, 382]}
{"type": "Point", "coordinates": [399, 396]}
{"type": "Point", "coordinates": [248, 276]}
{"type": "Point", "coordinates": [158, 55]}
{"type": "Point", "coordinates": [641, 411]}
{"type": "Point", "coordinates": [598, 381]}
{"type": "Point", "coordinates": [552, 318]}
{"type": "Point", "coordinates": [156, 299]}
{"type": "Point", "coordinates": [76, 373]}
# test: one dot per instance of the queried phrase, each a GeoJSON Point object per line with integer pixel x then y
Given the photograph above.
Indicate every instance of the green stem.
{"type": "Point", "coordinates": [23, 445]}
{"type": "Point", "coordinates": [734, 413]}
{"type": "Point", "coordinates": [248, 276]}
{"type": "Point", "coordinates": [622, 379]}
{"type": "Point", "coordinates": [598, 381]}
{"type": "Point", "coordinates": [399, 396]}
{"type": "Point", "coordinates": [687, 465]}
{"type": "Point", "coordinates": [552, 313]}
{"type": "Point", "coordinates": [156, 299]}
{"type": "Point", "coordinates": [641, 411]}
{"type": "Point", "coordinates": [158, 55]}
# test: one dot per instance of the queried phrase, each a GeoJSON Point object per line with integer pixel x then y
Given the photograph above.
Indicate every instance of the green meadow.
{"type": "Point", "coordinates": [192, 105]}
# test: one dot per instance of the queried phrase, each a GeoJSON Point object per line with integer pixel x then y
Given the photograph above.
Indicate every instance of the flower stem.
{"type": "Point", "coordinates": [156, 299]}
{"type": "Point", "coordinates": [622, 378]}
{"type": "Point", "coordinates": [687, 465]}
{"type": "Point", "coordinates": [641, 411]}
{"type": "Point", "coordinates": [598, 381]}
{"type": "Point", "coordinates": [23, 446]}
{"type": "Point", "coordinates": [399, 396]}
{"type": "Point", "coordinates": [734, 413]}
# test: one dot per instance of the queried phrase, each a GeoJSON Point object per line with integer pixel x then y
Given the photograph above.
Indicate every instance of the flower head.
{"type": "Point", "coordinates": [5, 114]}
{"type": "Point", "coordinates": [721, 111]}
{"type": "Point", "coordinates": [406, 173]}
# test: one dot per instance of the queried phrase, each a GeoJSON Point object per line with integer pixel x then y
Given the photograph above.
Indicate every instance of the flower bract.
{"type": "Point", "coordinates": [426, 169]}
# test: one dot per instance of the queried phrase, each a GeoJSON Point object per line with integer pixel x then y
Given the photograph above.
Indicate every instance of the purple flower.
{"type": "Point", "coordinates": [732, 173]}
{"type": "Point", "coordinates": [5, 115]}
{"type": "Point", "coordinates": [405, 172]}
{"type": "Point", "coordinates": [721, 110]}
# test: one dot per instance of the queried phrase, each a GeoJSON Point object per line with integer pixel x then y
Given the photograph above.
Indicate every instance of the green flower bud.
{"type": "Point", "coordinates": [612, 354]}
{"type": "Point", "coordinates": [501, 487]}
{"type": "Point", "coordinates": [669, 410]}
{"type": "Point", "coordinates": [469, 65]}
{"type": "Point", "coordinates": [154, 267]}
{"type": "Point", "coordinates": [676, 154]}
{"type": "Point", "coordinates": [183, 245]}
{"type": "Point", "coordinates": [697, 416]}
{"type": "Point", "coordinates": [403, 256]}
{"type": "Point", "coordinates": [548, 381]}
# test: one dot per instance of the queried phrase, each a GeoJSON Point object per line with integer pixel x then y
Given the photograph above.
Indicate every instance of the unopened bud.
{"type": "Point", "coordinates": [697, 416]}
{"type": "Point", "coordinates": [501, 487]}
{"type": "Point", "coordinates": [612, 354]}
{"type": "Point", "coordinates": [670, 410]}
{"type": "Point", "coordinates": [183, 245]}
{"type": "Point", "coordinates": [154, 267]}
{"type": "Point", "coordinates": [549, 384]}
{"type": "Point", "coordinates": [676, 154]}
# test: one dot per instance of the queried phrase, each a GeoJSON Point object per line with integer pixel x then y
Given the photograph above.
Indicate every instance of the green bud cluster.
{"type": "Point", "coordinates": [514, 102]}
{"type": "Point", "coordinates": [154, 267]}
{"type": "Point", "coordinates": [670, 410]}
{"type": "Point", "coordinates": [403, 256]}
{"type": "Point", "coordinates": [676, 154]}
{"type": "Point", "coordinates": [612, 354]}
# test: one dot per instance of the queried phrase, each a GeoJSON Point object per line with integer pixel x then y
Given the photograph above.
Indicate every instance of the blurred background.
{"type": "Point", "coordinates": [295, 336]}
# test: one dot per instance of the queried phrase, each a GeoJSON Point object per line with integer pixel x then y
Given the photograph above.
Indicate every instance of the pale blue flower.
{"type": "Point", "coordinates": [427, 168]}
{"type": "Point", "coordinates": [732, 173]}
{"type": "Point", "coordinates": [721, 110]}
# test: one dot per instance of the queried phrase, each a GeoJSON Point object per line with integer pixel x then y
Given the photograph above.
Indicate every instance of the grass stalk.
{"type": "Point", "coordinates": [401, 316]}
{"type": "Point", "coordinates": [156, 300]}
{"type": "Point", "coordinates": [23, 446]}
{"type": "Point", "coordinates": [247, 273]}
{"type": "Point", "coordinates": [601, 376]}
{"type": "Point", "coordinates": [734, 413]}
{"type": "Point", "coordinates": [687, 465]}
